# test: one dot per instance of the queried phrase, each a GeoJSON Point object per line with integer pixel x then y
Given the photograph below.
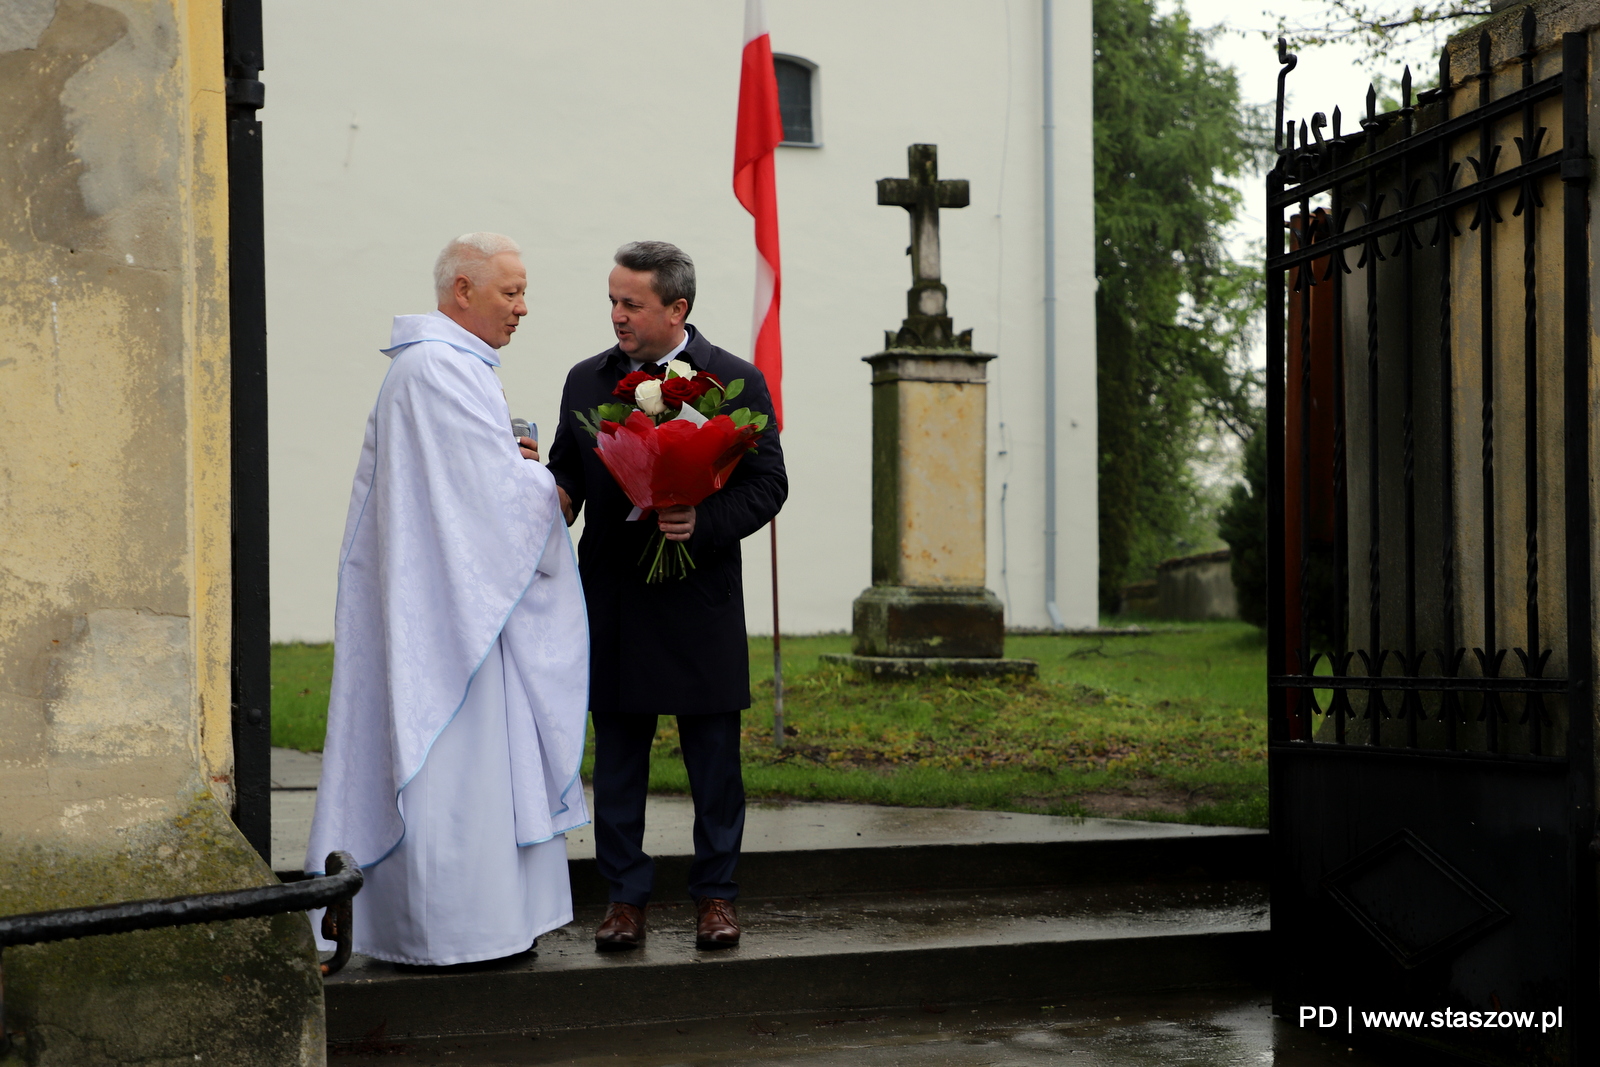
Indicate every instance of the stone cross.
{"type": "Point", "coordinates": [927, 323]}
{"type": "Point", "coordinates": [928, 610]}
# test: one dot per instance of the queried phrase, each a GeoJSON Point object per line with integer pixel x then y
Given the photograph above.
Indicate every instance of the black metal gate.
{"type": "Point", "coordinates": [1431, 718]}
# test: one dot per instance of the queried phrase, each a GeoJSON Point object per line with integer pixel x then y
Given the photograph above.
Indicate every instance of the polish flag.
{"type": "Point", "coordinates": [759, 131]}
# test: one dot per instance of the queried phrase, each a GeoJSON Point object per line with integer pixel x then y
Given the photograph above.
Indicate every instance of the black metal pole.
{"type": "Point", "coordinates": [1277, 606]}
{"type": "Point", "coordinates": [1339, 706]}
{"type": "Point", "coordinates": [1411, 708]}
{"type": "Point", "coordinates": [1305, 278]}
{"type": "Point", "coordinates": [1532, 661]}
{"type": "Point", "coordinates": [1490, 655]}
{"type": "Point", "coordinates": [1374, 658]}
{"type": "Point", "coordinates": [777, 648]}
{"type": "Point", "coordinates": [1284, 979]}
{"type": "Point", "coordinates": [1579, 533]}
{"type": "Point", "coordinates": [252, 650]}
{"type": "Point", "coordinates": [1449, 653]}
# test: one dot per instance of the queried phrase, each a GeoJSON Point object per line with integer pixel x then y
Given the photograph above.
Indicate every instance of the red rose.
{"type": "Point", "coordinates": [626, 387]}
{"type": "Point", "coordinates": [679, 391]}
{"type": "Point", "coordinates": [703, 384]}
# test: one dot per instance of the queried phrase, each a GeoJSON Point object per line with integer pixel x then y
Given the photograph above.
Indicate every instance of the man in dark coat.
{"type": "Point", "coordinates": [676, 647]}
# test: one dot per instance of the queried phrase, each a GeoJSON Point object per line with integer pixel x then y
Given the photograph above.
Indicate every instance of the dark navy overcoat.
{"type": "Point", "coordinates": [672, 647]}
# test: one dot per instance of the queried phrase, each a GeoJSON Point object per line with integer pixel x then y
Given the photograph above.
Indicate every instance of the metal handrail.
{"type": "Point", "coordinates": [334, 891]}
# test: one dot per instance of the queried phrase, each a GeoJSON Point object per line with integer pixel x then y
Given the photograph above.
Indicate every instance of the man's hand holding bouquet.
{"type": "Point", "coordinates": [668, 444]}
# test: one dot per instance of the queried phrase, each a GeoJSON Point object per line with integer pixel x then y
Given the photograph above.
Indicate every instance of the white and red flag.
{"type": "Point", "coordinates": [759, 131]}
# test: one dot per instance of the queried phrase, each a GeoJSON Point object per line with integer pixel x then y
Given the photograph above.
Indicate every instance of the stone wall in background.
{"type": "Point", "coordinates": [1197, 587]}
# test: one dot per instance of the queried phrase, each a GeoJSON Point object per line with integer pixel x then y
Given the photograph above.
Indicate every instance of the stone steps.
{"type": "Point", "coordinates": [834, 952]}
{"type": "Point", "coordinates": [849, 907]}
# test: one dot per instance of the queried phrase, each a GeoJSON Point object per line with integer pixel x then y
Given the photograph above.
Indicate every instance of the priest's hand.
{"type": "Point", "coordinates": [530, 447]}
{"type": "Point", "coordinates": [566, 505]}
{"type": "Point", "coordinates": [676, 523]}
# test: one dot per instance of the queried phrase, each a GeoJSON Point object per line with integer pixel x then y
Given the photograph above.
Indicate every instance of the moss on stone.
{"type": "Point", "coordinates": [243, 993]}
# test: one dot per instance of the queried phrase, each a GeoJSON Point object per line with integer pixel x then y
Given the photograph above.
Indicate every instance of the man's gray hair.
{"type": "Point", "coordinates": [468, 254]}
{"type": "Point", "coordinates": [671, 266]}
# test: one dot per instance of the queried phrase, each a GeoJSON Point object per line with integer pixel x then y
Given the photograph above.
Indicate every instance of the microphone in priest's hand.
{"type": "Point", "coordinates": [521, 430]}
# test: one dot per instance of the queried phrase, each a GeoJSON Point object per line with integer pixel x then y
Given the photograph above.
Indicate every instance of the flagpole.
{"type": "Point", "coordinates": [757, 134]}
{"type": "Point", "coordinates": [777, 648]}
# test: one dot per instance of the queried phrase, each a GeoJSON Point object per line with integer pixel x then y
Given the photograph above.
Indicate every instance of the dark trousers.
{"type": "Point", "coordinates": [710, 745]}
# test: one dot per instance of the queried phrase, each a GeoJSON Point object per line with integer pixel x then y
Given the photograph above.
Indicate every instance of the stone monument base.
{"type": "Point", "coordinates": [922, 666]}
{"type": "Point", "coordinates": [946, 622]}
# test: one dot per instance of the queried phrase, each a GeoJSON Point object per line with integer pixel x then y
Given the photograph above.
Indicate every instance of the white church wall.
{"type": "Point", "coordinates": [392, 125]}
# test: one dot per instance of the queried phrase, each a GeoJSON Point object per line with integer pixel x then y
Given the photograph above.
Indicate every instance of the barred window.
{"type": "Point", "coordinates": [797, 100]}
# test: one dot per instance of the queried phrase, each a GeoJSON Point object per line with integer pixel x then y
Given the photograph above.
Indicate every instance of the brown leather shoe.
{"type": "Point", "coordinates": [623, 927]}
{"type": "Point", "coordinates": [718, 926]}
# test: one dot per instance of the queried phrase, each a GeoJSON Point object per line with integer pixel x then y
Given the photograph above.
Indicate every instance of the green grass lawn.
{"type": "Point", "coordinates": [1167, 726]}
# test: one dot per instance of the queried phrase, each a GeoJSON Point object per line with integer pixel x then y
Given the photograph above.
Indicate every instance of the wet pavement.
{"type": "Point", "coordinates": [769, 827]}
{"type": "Point", "coordinates": [1231, 1029]}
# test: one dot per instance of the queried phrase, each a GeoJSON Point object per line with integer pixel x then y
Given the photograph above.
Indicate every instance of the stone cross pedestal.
{"type": "Point", "coordinates": [928, 610]}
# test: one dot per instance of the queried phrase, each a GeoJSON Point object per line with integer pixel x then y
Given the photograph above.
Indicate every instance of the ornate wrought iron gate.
{"type": "Point", "coordinates": [1428, 501]}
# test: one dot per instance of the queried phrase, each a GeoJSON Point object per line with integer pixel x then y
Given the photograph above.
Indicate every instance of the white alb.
{"type": "Point", "coordinates": [460, 684]}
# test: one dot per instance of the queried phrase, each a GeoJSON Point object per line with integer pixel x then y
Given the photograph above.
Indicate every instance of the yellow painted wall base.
{"type": "Point", "coordinates": [115, 627]}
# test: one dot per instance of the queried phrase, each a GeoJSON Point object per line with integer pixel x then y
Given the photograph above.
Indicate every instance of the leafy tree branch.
{"type": "Point", "coordinates": [1380, 29]}
{"type": "Point", "coordinates": [1175, 310]}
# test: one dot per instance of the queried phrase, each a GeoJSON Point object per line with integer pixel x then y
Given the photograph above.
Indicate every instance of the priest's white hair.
{"type": "Point", "coordinates": [468, 254]}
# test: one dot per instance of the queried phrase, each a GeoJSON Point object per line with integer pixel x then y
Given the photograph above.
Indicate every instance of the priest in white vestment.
{"type": "Point", "coordinates": [460, 679]}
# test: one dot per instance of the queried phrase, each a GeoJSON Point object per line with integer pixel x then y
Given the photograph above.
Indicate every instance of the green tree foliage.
{"type": "Point", "coordinates": [1381, 27]}
{"type": "Point", "coordinates": [1173, 308]}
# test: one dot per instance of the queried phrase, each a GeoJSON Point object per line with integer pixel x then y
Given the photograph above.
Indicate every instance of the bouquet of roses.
{"type": "Point", "coordinates": [668, 444]}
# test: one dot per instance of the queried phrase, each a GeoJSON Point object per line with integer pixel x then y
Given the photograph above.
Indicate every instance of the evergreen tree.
{"type": "Point", "coordinates": [1173, 307]}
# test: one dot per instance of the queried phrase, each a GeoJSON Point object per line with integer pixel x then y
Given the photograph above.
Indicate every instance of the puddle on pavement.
{"type": "Point", "coordinates": [1226, 1030]}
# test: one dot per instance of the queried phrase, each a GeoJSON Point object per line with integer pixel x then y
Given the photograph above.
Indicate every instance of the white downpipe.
{"type": "Point", "coordinates": [1050, 320]}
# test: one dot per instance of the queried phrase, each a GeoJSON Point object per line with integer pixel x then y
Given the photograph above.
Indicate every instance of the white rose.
{"type": "Point", "coordinates": [680, 369]}
{"type": "Point", "coordinates": [648, 397]}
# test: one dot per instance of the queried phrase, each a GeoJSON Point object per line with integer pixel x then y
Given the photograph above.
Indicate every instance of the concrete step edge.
{"type": "Point", "coordinates": [530, 1000]}
{"type": "Point", "coordinates": [1004, 865]}
{"type": "Point", "coordinates": [964, 866]}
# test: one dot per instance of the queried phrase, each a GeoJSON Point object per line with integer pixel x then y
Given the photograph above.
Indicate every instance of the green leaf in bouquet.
{"type": "Point", "coordinates": [614, 412]}
{"type": "Point", "coordinates": [709, 404]}
{"type": "Point", "coordinates": [587, 423]}
{"type": "Point", "coordinates": [747, 417]}
{"type": "Point", "coordinates": [735, 387]}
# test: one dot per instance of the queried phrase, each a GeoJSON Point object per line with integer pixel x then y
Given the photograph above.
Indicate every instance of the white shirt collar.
{"type": "Point", "coordinates": [638, 364]}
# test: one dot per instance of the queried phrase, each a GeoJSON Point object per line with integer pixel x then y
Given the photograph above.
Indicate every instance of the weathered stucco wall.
{"type": "Point", "coordinates": [113, 405]}
{"type": "Point", "coordinates": [115, 755]}
{"type": "Point", "coordinates": [369, 174]}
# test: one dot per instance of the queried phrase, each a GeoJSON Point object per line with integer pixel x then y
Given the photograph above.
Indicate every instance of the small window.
{"type": "Point", "coordinates": [797, 100]}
